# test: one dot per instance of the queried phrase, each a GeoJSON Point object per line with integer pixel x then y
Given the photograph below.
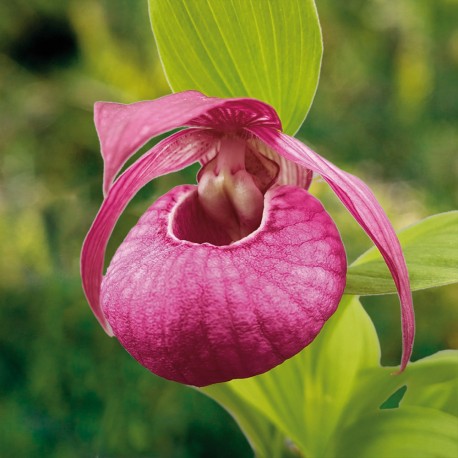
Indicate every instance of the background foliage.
{"type": "Point", "coordinates": [385, 109]}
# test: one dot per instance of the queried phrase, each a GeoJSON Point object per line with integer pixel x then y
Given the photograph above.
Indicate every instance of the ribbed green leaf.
{"type": "Point", "coordinates": [433, 382]}
{"type": "Point", "coordinates": [270, 50]}
{"type": "Point", "coordinates": [264, 437]}
{"type": "Point", "coordinates": [431, 251]}
{"type": "Point", "coordinates": [410, 432]}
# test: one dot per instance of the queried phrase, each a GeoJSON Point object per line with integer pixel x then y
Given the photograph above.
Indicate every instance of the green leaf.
{"type": "Point", "coordinates": [409, 432]}
{"type": "Point", "coordinates": [269, 50]}
{"type": "Point", "coordinates": [264, 437]}
{"type": "Point", "coordinates": [431, 251]}
{"type": "Point", "coordinates": [433, 382]}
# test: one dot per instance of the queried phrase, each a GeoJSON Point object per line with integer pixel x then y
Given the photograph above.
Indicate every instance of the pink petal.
{"type": "Point", "coordinates": [198, 313]}
{"type": "Point", "coordinates": [362, 204]}
{"type": "Point", "coordinates": [123, 129]}
{"type": "Point", "coordinates": [172, 154]}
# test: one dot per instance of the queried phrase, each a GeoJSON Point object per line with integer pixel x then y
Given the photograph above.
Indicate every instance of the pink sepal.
{"type": "Point", "coordinates": [172, 154]}
{"type": "Point", "coordinates": [123, 129]}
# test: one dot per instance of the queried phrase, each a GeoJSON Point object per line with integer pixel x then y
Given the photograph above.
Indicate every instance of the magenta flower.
{"type": "Point", "coordinates": [229, 278]}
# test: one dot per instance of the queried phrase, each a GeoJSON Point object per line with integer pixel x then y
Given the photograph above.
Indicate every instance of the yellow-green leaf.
{"type": "Point", "coordinates": [269, 50]}
{"type": "Point", "coordinates": [409, 432]}
{"type": "Point", "coordinates": [431, 251]}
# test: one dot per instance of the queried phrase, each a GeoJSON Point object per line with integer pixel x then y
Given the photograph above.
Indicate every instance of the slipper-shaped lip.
{"type": "Point", "coordinates": [198, 313]}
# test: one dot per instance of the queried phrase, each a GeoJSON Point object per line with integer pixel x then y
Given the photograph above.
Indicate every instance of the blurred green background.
{"type": "Point", "coordinates": [386, 109]}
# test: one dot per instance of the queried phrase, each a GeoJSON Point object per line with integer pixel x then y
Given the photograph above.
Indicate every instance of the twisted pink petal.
{"type": "Point", "coordinates": [172, 154]}
{"type": "Point", "coordinates": [362, 204]}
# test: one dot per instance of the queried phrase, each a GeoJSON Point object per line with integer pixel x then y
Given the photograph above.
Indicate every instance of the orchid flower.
{"type": "Point", "coordinates": [230, 277]}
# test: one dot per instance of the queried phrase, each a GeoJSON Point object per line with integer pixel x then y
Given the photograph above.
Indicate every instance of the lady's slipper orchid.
{"type": "Point", "coordinates": [231, 277]}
